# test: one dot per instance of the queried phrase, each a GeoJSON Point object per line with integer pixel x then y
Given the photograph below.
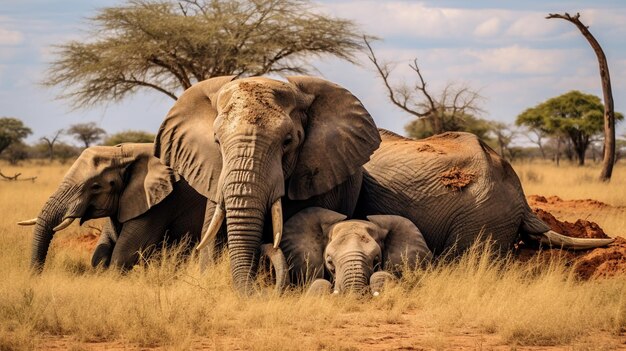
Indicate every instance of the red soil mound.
{"type": "Point", "coordinates": [542, 201]}
{"type": "Point", "coordinates": [580, 229]}
{"type": "Point", "coordinates": [600, 262]}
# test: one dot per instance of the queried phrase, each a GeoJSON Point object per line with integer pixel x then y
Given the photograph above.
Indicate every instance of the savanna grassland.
{"type": "Point", "coordinates": [474, 303]}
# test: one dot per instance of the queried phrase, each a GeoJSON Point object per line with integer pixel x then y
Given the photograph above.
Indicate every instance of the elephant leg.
{"type": "Point", "coordinates": [139, 237]}
{"type": "Point", "coordinates": [104, 248]}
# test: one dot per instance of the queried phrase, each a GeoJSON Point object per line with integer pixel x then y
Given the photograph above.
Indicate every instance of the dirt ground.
{"type": "Point", "coordinates": [411, 331]}
{"type": "Point", "coordinates": [588, 264]}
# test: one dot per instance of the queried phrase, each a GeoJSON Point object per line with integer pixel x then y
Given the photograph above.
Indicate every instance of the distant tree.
{"type": "Point", "coordinates": [576, 115]}
{"type": "Point", "coordinates": [12, 130]}
{"type": "Point", "coordinates": [87, 133]}
{"type": "Point", "coordinates": [167, 45]}
{"type": "Point", "coordinates": [536, 136]}
{"type": "Point", "coordinates": [504, 135]}
{"type": "Point", "coordinates": [129, 136]}
{"type": "Point", "coordinates": [609, 112]}
{"type": "Point", "coordinates": [50, 141]}
{"type": "Point", "coordinates": [421, 128]}
{"type": "Point", "coordinates": [455, 109]}
{"type": "Point", "coordinates": [17, 151]}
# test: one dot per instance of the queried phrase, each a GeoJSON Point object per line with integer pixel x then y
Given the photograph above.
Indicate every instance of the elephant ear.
{"type": "Point", "coordinates": [148, 183]}
{"type": "Point", "coordinates": [340, 136]}
{"type": "Point", "coordinates": [401, 242]}
{"type": "Point", "coordinates": [185, 139]}
{"type": "Point", "coordinates": [305, 236]}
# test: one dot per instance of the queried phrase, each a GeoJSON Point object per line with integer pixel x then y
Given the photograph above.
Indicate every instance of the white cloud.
{"type": "Point", "coordinates": [10, 37]}
{"type": "Point", "coordinates": [520, 60]}
{"type": "Point", "coordinates": [488, 28]}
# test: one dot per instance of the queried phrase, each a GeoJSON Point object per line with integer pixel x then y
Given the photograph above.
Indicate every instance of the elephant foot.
{"type": "Point", "coordinates": [319, 287]}
{"type": "Point", "coordinates": [379, 280]}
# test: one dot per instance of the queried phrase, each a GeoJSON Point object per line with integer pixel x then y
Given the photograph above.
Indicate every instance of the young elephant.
{"type": "Point", "coordinates": [143, 198]}
{"type": "Point", "coordinates": [320, 243]}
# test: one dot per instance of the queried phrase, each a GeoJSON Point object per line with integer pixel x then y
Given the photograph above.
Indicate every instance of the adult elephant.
{"type": "Point", "coordinates": [455, 189]}
{"type": "Point", "coordinates": [143, 198]}
{"type": "Point", "coordinates": [322, 245]}
{"type": "Point", "coordinates": [256, 146]}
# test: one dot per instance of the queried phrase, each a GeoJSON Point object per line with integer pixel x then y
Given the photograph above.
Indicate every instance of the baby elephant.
{"type": "Point", "coordinates": [321, 244]}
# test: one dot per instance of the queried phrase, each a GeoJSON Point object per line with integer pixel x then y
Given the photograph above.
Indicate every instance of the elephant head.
{"type": "Point", "coordinates": [122, 181]}
{"type": "Point", "coordinates": [317, 240]}
{"type": "Point", "coordinates": [246, 143]}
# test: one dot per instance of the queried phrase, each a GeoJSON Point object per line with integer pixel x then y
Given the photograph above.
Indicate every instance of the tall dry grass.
{"type": "Point", "coordinates": [170, 303]}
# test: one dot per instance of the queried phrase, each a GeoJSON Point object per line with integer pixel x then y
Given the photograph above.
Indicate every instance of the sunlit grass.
{"type": "Point", "coordinates": [171, 303]}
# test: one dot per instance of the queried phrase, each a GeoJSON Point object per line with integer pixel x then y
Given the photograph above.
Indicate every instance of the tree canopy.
{"type": "Point", "coordinates": [87, 133]}
{"type": "Point", "coordinates": [167, 45]}
{"type": "Point", "coordinates": [129, 136]}
{"type": "Point", "coordinates": [12, 130]}
{"type": "Point", "coordinates": [575, 115]}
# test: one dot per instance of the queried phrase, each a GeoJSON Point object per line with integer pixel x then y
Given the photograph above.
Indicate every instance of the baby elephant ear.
{"type": "Point", "coordinates": [148, 183]}
{"type": "Point", "coordinates": [305, 236]}
{"type": "Point", "coordinates": [401, 242]}
{"type": "Point", "coordinates": [340, 136]}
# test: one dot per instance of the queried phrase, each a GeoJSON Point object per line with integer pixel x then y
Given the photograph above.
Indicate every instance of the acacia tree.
{"type": "Point", "coordinates": [87, 133]}
{"type": "Point", "coordinates": [576, 115]}
{"type": "Point", "coordinates": [609, 112]}
{"type": "Point", "coordinates": [12, 131]}
{"type": "Point", "coordinates": [455, 109]}
{"type": "Point", "coordinates": [167, 45]}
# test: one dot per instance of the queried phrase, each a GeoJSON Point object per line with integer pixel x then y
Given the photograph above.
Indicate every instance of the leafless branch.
{"type": "Point", "coordinates": [15, 177]}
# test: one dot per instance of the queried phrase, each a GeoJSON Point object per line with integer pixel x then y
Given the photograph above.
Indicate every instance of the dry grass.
{"type": "Point", "coordinates": [175, 306]}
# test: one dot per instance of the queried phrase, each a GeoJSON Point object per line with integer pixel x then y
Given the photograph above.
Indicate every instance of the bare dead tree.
{"type": "Point", "coordinates": [453, 104]}
{"type": "Point", "coordinates": [536, 136]}
{"type": "Point", "coordinates": [609, 113]}
{"type": "Point", "coordinates": [50, 143]}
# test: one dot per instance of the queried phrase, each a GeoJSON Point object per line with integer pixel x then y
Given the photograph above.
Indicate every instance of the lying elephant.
{"type": "Point", "coordinates": [143, 198]}
{"type": "Point", "coordinates": [454, 188]}
{"type": "Point", "coordinates": [320, 243]}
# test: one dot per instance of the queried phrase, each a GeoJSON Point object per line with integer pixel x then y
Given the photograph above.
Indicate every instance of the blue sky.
{"type": "Point", "coordinates": [506, 49]}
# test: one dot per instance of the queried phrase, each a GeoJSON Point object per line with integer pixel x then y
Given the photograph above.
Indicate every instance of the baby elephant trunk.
{"type": "Point", "coordinates": [354, 275]}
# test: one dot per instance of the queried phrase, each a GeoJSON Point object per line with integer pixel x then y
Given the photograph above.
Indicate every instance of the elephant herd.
{"type": "Point", "coordinates": [299, 172]}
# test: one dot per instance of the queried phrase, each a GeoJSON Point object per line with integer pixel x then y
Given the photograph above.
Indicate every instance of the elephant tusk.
{"type": "Point", "coordinates": [66, 223]}
{"type": "Point", "coordinates": [555, 239]}
{"type": "Point", "coordinates": [277, 258]}
{"type": "Point", "coordinates": [32, 221]}
{"type": "Point", "coordinates": [277, 222]}
{"type": "Point", "coordinates": [214, 227]}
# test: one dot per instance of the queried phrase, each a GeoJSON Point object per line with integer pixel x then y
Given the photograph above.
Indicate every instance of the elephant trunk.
{"type": "Point", "coordinates": [244, 222]}
{"type": "Point", "coordinates": [51, 215]}
{"type": "Point", "coordinates": [353, 274]}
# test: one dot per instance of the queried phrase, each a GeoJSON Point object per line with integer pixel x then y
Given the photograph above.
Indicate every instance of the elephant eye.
{"type": "Point", "coordinates": [217, 141]}
{"type": "Point", "coordinates": [288, 140]}
{"type": "Point", "coordinates": [330, 265]}
{"type": "Point", "coordinates": [96, 186]}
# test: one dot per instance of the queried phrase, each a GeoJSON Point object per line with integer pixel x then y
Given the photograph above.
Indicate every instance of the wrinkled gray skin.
{"type": "Point", "coordinates": [453, 187]}
{"type": "Point", "coordinates": [246, 143]}
{"type": "Point", "coordinates": [142, 197]}
{"type": "Point", "coordinates": [320, 243]}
